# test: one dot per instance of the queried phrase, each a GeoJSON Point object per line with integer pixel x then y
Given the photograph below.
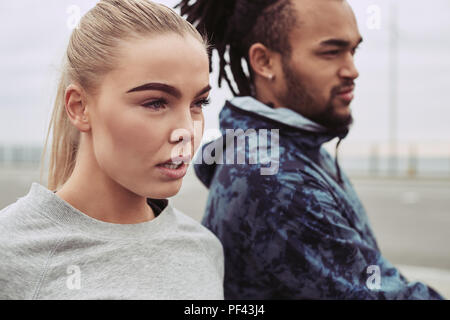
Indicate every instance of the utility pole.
{"type": "Point", "coordinates": [393, 88]}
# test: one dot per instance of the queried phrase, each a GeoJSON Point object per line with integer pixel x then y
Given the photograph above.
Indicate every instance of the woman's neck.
{"type": "Point", "coordinates": [90, 190]}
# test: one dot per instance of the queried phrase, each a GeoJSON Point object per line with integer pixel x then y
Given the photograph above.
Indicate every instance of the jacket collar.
{"type": "Point", "coordinates": [317, 134]}
{"type": "Point", "coordinates": [282, 115]}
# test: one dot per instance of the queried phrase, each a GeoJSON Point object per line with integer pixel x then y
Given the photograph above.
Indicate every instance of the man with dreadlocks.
{"type": "Point", "coordinates": [300, 232]}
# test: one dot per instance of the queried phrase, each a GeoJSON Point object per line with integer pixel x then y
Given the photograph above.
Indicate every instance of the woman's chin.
{"type": "Point", "coordinates": [166, 190]}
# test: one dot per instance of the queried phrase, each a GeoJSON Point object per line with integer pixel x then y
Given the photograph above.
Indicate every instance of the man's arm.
{"type": "Point", "coordinates": [313, 252]}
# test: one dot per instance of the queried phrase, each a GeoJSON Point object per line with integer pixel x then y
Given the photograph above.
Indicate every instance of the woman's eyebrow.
{"type": "Point", "coordinates": [204, 90]}
{"type": "Point", "coordinates": [159, 87]}
{"type": "Point", "coordinates": [166, 88]}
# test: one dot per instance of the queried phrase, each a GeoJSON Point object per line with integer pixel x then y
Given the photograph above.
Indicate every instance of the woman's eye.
{"type": "Point", "coordinates": [156, 104]}
{"type": "Point", "coordinates": [202, 103]}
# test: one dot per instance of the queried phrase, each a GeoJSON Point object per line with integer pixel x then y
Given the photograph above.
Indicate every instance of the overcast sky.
{"type": "Point", "coordinates": [34, 34]}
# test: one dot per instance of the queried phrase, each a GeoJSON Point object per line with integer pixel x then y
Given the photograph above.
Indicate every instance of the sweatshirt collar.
{"type": "Point", "coordinates": [48, 204]}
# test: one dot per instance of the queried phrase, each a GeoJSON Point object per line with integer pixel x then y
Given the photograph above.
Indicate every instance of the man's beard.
{"type": "Point", "coordinates": [300, 100]}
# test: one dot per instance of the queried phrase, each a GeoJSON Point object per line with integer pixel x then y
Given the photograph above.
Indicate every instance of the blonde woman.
{"type": "Point", "coordinates": [127, 119]}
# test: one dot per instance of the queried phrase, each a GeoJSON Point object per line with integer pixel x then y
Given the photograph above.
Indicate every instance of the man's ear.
{"type": "Point", "coordinates": [262, 61]}
{"type": "Point", "coordinates": [75, 102]}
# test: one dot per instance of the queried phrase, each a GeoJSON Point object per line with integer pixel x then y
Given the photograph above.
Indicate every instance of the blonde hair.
{"type": "Point", "coordinates": [91, 53]}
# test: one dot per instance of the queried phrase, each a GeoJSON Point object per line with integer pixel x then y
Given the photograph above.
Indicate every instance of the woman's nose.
{"type": "Point", "coordinates": [183, 128]}
{"type": "Point", "coordinates": [183, 137]}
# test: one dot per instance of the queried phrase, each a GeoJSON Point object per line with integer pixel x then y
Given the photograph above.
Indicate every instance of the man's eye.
{"type": "Point", "coordinates": [355, 49]}
{"type": "Point", "coordinates": [331, 52]}
{"type": "Point", "coordinates": [156, 104]}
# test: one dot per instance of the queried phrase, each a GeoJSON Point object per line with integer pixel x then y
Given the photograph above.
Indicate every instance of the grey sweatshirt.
{"type": "Point", "coordinates": [50, 250]}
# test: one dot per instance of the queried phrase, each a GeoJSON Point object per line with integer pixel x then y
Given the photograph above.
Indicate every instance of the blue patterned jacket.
{"type": "Point", "coordinates": [293, 228]}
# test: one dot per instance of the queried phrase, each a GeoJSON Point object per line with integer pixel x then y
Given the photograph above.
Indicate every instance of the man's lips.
{"type": "Point", "coordinates": [346, 90]}
{"type": "Point", "coordinates": [346, 94]}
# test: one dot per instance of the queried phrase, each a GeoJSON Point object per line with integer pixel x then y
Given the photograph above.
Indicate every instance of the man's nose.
{"type": "Point", "coordinates": [349, 70]}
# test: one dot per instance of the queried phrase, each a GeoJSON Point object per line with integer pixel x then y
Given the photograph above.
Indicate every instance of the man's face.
{"type": "Point", "coordinates": [319, 72]}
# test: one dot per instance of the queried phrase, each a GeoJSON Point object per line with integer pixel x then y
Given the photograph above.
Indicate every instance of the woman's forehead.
{"type": "Point", "coordinates": [155, 50]}
{"type": "Point", "coordinates": [164, 58]}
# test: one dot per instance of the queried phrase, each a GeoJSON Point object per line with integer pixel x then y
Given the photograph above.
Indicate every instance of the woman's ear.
{"type": "Point", "coordinates": [262, 61]}
{"type": "Point", "coordinates": [75, 102]}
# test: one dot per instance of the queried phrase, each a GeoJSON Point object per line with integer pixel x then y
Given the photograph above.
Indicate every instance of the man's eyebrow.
{"type": "Point", "coordinates": [165, 88]}
{"type": "Point", "coordinates": [339, 43]}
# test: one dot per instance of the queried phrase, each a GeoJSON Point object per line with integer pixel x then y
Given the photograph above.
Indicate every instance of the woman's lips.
{"type": "Point", "coordinates": [173, 172]}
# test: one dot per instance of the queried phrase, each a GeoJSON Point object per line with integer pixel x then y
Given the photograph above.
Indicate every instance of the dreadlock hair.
{"type": "Point", "coordinates": [235, 25]}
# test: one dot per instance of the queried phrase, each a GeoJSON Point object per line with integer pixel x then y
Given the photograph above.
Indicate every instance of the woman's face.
{"type": "Point", "coordinates": [148, 111]}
